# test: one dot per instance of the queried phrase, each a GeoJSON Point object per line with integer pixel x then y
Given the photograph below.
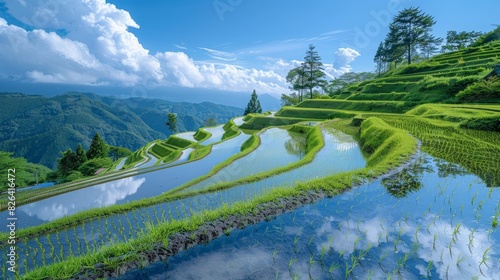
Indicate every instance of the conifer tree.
{"type": "Point", "coordinates": [313, 70]}
{"type": "Point", "coordinates": [98, 148]}
{"type": "Point", "coordinates": [253, 105]}
{"type": "Point", "coordinates": [80, 154]}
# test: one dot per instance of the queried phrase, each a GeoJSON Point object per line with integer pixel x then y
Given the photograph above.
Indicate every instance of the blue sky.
{"type": "Point", "coordinates": [231, 45]}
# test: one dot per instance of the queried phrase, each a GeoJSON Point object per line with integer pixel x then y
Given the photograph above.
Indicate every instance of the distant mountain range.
{"type": "Point", "coordinates": [174, 94]}
{"type": "Point", "coordinates": [38, 128]}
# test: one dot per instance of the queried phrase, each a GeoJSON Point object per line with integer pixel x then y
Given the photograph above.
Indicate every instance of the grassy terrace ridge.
{"type": "Point", "coordinates": [138, 156]}
{"type": "Point", "coordinates": [113, 255]}
{"type": "Point", "coordinates": [437, 79]}
{"type": "Point", "coordinates": [359, 105]}
{"type": "Point", "coordinates": [258, 122]}
{"type": "Point", "coordinates": [202, 135]}
{"type": "Point", "coordinates": [314, 143]}
{"type": "Point", "coordinates": [248, 146]}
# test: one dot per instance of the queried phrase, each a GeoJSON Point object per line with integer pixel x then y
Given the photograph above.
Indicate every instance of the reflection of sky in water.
{"type": "Point", "coordinates": [217, 133]}
{"type": "Point", "coordinates": [238, 121]}
{"type": "Point", "coordinates": [271, 153]}
{"type": "Point", "coordinates": [446, 222]}
{"type": "Point", "coordinates": [69, 203]}
{"type": "Point", "coordinates": [125, 190]}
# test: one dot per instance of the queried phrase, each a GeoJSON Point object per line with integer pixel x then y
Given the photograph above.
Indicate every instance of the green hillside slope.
{"type": "Point", "coordinates": [39, 128]}
{"type": "Point", "coordinates": [435, 80]}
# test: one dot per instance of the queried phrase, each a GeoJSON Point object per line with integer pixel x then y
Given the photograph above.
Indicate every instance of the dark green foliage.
{"type": "Point", "coordinates": [90, 167]}
{"type": "Point", "coordinates": [290, 100]}
{"type": "Point", "coordinates": [297, 78]}
{"type": "Point", "coordinates": [488, 37]}
{"type": "Point", "coordinates": [118, 152]}
{"type": "Point", "coordinates": [459, 40]}
{"type": "Point", "coordinates": [74, 175]}
{"type": "Point", "coordinates": [67, 163]}
{"type": "Point", "coordinates": [410, 29]}
{"type": "Point", "coordinates": [253, 105]}
{"type": "Point", "coordinates": [313, 69]}
{"type": "Point", "coordinates": [171, 122]}
{"type": "Point", "coordinates": [487, 124]}
{"type": "Point", "coordinates": [80, 154]}
{"type": "Point", "coordinates": [482, 91]}
{"type": "Point", "coordinates": [98, 148]}
{"type": "Point", "coordinates": [29, 122]}
{"type": "Point", "coordinates": [26, 173]}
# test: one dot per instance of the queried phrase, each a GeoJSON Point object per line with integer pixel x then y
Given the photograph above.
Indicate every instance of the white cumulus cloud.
{"type": "Point", "coordinates": [89, 42]}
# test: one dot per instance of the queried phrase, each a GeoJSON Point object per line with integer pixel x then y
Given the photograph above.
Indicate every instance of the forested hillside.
{"type": "Point", "coordinates": [39, 128]}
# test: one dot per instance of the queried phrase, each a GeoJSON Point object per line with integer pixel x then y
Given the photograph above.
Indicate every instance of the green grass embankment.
{"type": "Point", "coordinates": [114, 254]}
{"type": "Point", "coordinates": [314, 143]}
{"type": "Point", "coordinates": [202, 135]}
{"type": "Point", "coordinates": [355, 105]}
{"type": "Point", "coordinates": [200, 152]}
{"type": "Point", "coordinates": [258, 122]}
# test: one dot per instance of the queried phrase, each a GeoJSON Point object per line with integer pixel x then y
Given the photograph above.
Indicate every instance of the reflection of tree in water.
{"type": "Point", "coordinates": [296, 145]}
{"type": "Point", "coordinates": [409, 179]}
{"type": "Point", "coordinates": [446, 169]}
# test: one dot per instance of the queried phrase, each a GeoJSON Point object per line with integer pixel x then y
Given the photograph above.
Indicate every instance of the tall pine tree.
{"type": "Point", "coordinates": [253, 105]}
{"type": "Point", "coordinates": [98, 148]}
{"type": "Point", "coordinates": [410, 29]}
{"type": "Point", "coordinates": [67, 163]}
{"type": "Point", "coordinates": [81, 157]}
{"type": "Point", "coordinates": [313, 70]}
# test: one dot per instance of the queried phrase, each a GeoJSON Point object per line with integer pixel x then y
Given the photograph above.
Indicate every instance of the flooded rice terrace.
{"type": "Point", "coordinates": [431, 221]}
{"type": "Point", "coordinates": [340, 153]}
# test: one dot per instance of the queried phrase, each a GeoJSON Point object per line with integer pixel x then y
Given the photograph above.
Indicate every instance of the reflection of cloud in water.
{"type": "Point", "coordinates": [242, 263]}
{"type": "Point", "coordinates": [91, 197]}
{"type": "Point", "coordinates": [117, 190]}
{"type": "Point", "coordinates": [344, 236]}
{"type": "Point", "coordinates": [446, 263]}
{"type": "Point", "coordinates": [226, 264]}
{"type": "Point", "coordinates": [341, 235]}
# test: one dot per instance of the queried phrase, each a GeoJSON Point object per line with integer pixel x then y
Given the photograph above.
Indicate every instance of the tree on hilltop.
{"type": "Point", "coordinates": [253, 105]}
{"type": "Point", "coordinates": [409, 30]}
{"type": "Point", "coordinates": [98, 148]}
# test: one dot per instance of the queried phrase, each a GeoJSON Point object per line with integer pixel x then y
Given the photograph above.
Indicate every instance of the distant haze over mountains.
{"type": "Point", "coordinates": [39, 127]}
{"type": "Point", "coordinates": [174, 94]}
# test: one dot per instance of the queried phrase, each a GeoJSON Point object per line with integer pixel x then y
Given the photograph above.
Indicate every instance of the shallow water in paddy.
{"type": "Point", "coordinates": [433, 220]}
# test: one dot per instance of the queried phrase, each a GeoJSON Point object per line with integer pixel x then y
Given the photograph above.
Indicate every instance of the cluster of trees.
{"type": "Point", "coordinates": [409, 36]}
{"type": "Point", "coordinates": [74, 165]}
{"type": "Point", "coordinates": [305, 78]}
{"type": "Point", "coordinates": [410, 39]}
